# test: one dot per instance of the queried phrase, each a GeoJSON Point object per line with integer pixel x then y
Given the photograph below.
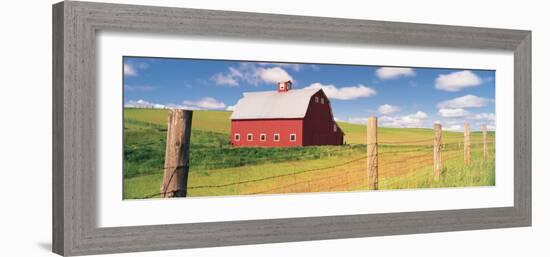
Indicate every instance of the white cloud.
{"type": "Point", "coordinates": [229, 78]}
{"type": "Point", "coordinates": [467, 101]}
{"type": "Point", "coordinates": [452, 113]}
{"type": "Point", "coordinates": [292, 66]}
{"type": "Point", "coordinates": [344, 93]}
{"type": "Point", "coordinates": [206, 103]}
{"type": "Point", "coordinates": [419, 115]}
{"type": "Point", "coordinates": [273, 75]}
{"type": "Point", "coordinates": [230, 108]}
{"type": "Point", "coordinates": [475, 121]}
{"type": "Point", "coordinates": [388, 109]}
{"type": "Point", "coordinates": [457, 81]}
{"type": "Point", "coordinates": [414, 120]}
{"type": "Point", "coordinates": [480, 119]}
{"type": "Point", "coordinates": [394, 72]}
{"type": "Point", "coordinates": [251, 74]}
{"type": "Point", "coordinates": [129, 70]}
{"type": "Point", "coordinates": [225, 79]}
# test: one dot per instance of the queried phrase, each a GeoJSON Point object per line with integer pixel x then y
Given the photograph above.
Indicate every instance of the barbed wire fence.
{"type": "Point", "coordinates": [398, 166]}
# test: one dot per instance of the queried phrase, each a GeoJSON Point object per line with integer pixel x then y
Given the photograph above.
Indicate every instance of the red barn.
{"type": "Point", "coordinates": [284, 118]}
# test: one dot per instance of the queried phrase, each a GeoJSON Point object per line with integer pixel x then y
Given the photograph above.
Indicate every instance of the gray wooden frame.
{"type": "Point", "coordinates": [75, 25]}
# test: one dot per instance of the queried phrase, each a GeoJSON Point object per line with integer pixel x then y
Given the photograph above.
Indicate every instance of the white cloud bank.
{"type": "Point", "coordinates": [475, 121]}
{"type": "Point", "coordinates": [292, 66]}
{"type": "Point", "coordinates": [344, 93]}
{"type": "Point", "coordinates": [206, 103]}
{"type": "Point", "coordinates": [414, 120]}
{"type": "Point", "coordinates": [484, 117]}
{"type": "Point", "coordinates": [457, 81]}
{"type": "Point", "coordinates": [388, 109]}
{"type": "Point", "coordinates": [385, 73]}
{"type": "Point", "coordinates": [143, 104]}
{"type": "Point", "coordinates": [467, 101]}
{"type": "Point", "coordinates": [452, 113]}
{"type": "Point", "coordinates": [251, 74]}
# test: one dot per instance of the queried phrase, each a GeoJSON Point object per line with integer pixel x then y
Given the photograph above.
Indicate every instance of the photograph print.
{"type": "Point", "coordinates": [197, 127]}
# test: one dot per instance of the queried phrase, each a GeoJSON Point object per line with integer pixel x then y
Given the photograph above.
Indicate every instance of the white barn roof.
{"type": "Point", "coordinates": [273, 105]}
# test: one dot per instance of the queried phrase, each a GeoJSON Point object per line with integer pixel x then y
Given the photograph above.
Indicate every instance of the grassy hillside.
{"type": "Point", "coordinates": [213, 121]}
{"type": "Point", "coordinates": [218, 169]}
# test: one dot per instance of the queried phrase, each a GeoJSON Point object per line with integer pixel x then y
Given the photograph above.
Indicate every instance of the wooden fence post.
{"type": "Point", "coordinates": [372, 153]}
{"type": "Point", "coordinates": [437, 151]}
{"type": "Point", "coordinates": [467, 144]}
{"type": "Point", "coordinates": [485, 146]}
{"type": "Point", "coordinates": [176, 159]}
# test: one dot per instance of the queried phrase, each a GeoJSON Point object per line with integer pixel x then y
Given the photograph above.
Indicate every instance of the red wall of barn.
{"type": "Point", "coordinates": [284, 127]}
{"type": "Point", "coordinates": [319, 123]}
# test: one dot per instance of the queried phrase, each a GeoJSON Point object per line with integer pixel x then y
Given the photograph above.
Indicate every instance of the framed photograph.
{"type": "Point", "coordinates": [183, 128]}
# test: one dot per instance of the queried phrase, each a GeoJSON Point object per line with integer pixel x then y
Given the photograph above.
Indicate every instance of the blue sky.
{"type": "Point", "coordinates": [399, 96]}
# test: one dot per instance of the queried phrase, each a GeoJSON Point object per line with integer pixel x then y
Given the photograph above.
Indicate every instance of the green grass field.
{"type": "Point", "coordinates": [218, 169]}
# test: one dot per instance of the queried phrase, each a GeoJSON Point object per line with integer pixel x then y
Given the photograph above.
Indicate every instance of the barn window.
{"type": "Point", "coordinates": [249, 137]}
{"type": "Point", "coordinates": [316, 99]}
{"type": "Point", "coordinates": [237, 137]}
{"type": "Point", "coordinates": [322, 100]}
{"type": "Point", "coordinates": [262, 137]}
{"type": "Point", "coordinates": [292, 137]}
{"type": "Point", "coordinates": [276, 137]}
{"type": "Point", "coordinates": [335, 128]}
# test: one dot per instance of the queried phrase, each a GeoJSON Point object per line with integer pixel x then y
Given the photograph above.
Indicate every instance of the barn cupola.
{"type": "Point", "coordinates": [284, 86]}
